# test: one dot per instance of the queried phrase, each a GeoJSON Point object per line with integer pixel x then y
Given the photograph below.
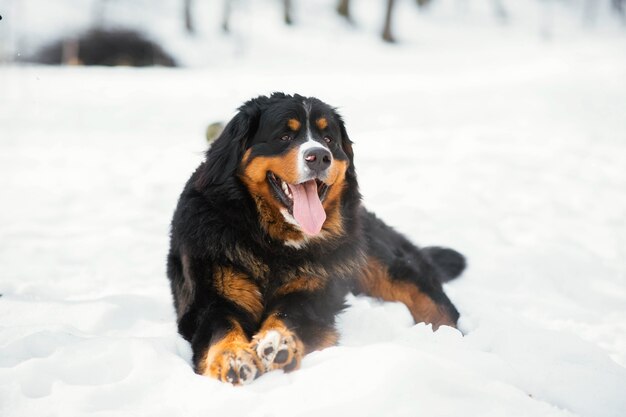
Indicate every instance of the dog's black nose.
{"type": "Point", "coordinates": [317, 159]}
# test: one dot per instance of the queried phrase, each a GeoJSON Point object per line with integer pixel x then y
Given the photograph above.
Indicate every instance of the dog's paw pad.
{"type": "Point", "coordinates": [281, 357]}
{"type": "Point", "coordinates": [278, 349]}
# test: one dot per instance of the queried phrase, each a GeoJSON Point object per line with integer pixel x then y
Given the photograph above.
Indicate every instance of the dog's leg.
{"type": "Point", "coordinates": [397, 270]}
{"type": "Point", "coordinates": [301, 320]}
{"type": "Point", "coordinates": [429, 305]}
{"type": "Point", "coordinates": [225, 311]}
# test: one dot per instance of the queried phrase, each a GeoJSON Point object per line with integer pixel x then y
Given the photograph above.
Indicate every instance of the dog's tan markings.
{"type": "Point", "coordinates": [306, 283]}
{"type": "Point", "coordinates": [294, 124]}
{"type": "Point", "coordinates": [336, 178]}
{"type": "Point", "coordinates": [239, 289]}
{"type": "Point", "coordinates": [375, 281]}
{"type": "Point", "coordinates": [231, 359]}
{"type": "Point", "coordinates": [334, 220]}
{"type": "Point", "coordinates": [285, 166]}
{"type": "Point", "coordinates": [321, 123]}
{"type": "Point", "coordinates": [332, 203]}
{"type": "Point", "coordinates": [254, 176]}
{"type": "Point", "coordinates": [246, 157]}
{"type": "Point", "coordinates": [278, 347]}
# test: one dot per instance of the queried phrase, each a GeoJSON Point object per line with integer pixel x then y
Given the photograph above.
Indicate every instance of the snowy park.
{"type": "Point", "coordinates": [501, 137]}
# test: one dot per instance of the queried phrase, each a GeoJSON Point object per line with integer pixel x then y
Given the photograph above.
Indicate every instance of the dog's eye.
{"type": "Point", "coordinates": [286, 138]}
{"type": "Point", "coordinates": [328, 139]}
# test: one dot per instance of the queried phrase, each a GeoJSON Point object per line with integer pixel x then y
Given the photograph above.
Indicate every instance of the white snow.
{"type": "Point", "coordinates": [470, 133]}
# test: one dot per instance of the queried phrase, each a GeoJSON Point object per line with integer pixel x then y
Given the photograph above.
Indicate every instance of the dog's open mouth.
{"type": "Point", "coordinates": [303, 201]}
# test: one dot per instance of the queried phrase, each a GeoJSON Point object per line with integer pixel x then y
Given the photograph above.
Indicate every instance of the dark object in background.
{"type": "Point", "coordinates": [387, 36]}
{"type": "Point", "coordinates": [213, 131]}
{"type": "Point", "coordinates": [343, 8]}
{"type": "Point", "coordinates": [287, 12]}
{"type": "Point", "coordinates": [105, 47]}
{"type": "Point", "coordinates": [619, 6]}
{"type": "Point", "coordinates": [190, 27]}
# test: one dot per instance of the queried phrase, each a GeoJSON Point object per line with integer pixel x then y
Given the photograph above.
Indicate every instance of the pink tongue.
{"type": "Point", "coordinates": [307, 207]}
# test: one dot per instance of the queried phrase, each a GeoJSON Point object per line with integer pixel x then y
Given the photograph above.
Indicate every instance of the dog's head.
{"type": "Point", "coordinates": [294, 156]}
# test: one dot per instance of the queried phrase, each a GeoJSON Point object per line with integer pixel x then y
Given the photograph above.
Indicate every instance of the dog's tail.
{"type": "Point", "coordinates": [448, 261]}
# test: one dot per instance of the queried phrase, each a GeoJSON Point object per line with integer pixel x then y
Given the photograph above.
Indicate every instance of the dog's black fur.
{"type": "Point", "coordinates": [235, 274]}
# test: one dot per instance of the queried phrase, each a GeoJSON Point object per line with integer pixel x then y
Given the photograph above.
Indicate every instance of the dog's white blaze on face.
{"type": "Point", "coordinates": [307, 212]}
{"type": "Point", "coordinates": [304, 172]}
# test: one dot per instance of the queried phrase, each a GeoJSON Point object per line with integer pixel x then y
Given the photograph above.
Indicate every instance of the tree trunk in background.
{"type": "Point", "coordinates": [619, 6]}
{"type": "Point", "coordinates": [387, 36]}
{"type": "Point", "coordinates": [226, 16]}
{"type": "Point", "coordinates": [343, 8]}
{"type": "Point", "coordinates": [287, 11]}
{"type": "Point", "coordinates": [500, 10]}
{"type": "Point", "coordinates": [189, 26]}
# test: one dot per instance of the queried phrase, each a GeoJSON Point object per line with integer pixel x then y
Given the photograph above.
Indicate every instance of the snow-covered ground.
{"type": "Point", "coordinates": [473, 134]}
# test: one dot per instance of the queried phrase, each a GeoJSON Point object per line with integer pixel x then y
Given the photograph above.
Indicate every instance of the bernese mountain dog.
{"type": "Point", "coordinates": [269, 236]}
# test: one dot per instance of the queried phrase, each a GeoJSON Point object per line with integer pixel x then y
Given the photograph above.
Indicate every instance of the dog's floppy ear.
{"type": "Point", "coordinates": [225, 154]}
{"type": "Point", "coordinates": [346, 143]}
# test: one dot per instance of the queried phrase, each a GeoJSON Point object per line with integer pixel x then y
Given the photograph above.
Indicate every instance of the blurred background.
{"type": "Point", "coordinates": [208, 32]}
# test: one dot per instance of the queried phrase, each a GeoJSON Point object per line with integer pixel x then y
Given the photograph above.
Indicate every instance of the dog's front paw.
{"type": "Point", "coordinates": [278, 348]}
{"type": "Point", "coordinates": [235, 363]}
